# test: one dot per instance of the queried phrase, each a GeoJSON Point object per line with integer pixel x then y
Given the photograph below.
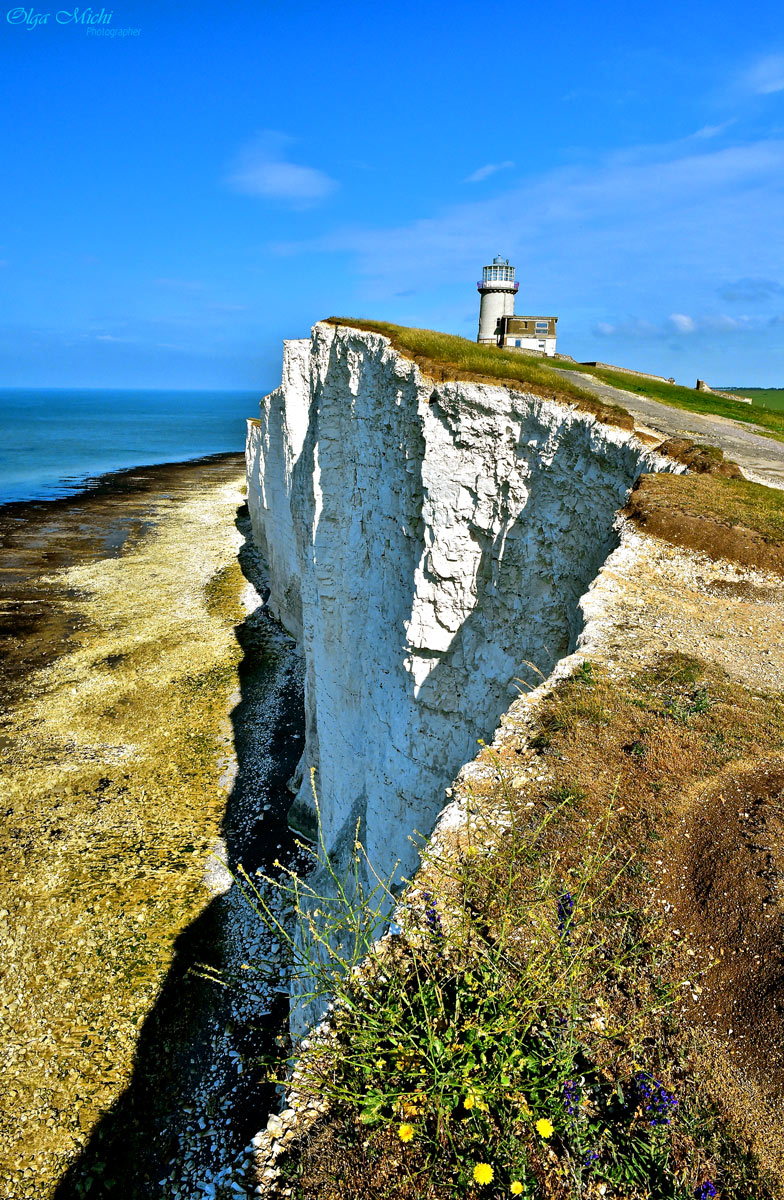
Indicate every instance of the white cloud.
{"type": "Point", "coordinates": [724, 323]}
{"type": "Point", "coordinates": [634, 328]}
{"type": "Point", "coordinates": [712, 131]}
{"type": "Point", "coordinates": [486, 171]}
{"type": "Point", "coordinates": [263, 169]}
{"type": "Point", "coordinates": [676, 323]}
{"type": "Point", "coordinates": [765, 76]}
{"type": "Point", "coordinates": [614, 235]}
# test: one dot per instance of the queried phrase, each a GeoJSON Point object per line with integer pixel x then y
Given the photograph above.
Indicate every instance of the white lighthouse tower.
{"type": "Point", "coordinates": [497, 288]}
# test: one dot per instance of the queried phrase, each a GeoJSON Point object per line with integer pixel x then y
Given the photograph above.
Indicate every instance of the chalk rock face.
{"type": "Point", "coordinates": [428, 546]}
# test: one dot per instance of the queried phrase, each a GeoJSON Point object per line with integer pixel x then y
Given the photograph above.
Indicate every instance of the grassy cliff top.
{"type": "Point", "coordinates": [442, 356]}
{"type": "Point", "coordinates": [723, 517]}
{"type": "Point", "coordinates": [772, 398]}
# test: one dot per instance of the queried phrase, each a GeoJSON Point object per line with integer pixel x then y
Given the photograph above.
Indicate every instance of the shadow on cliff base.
{"type": "Point", "coordinates": [129, 1152]}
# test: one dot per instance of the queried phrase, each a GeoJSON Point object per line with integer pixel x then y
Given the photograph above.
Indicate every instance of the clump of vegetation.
{"type": "Point", "coordinates": [725, 518]}
{"type": "Point", "coordinates": [538, 1024]}
{"type": "Point", "coordinates": [701, 459]}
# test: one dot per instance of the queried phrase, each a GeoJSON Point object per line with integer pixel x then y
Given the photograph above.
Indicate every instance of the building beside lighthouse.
{"type": "Point", "coordinates": [498, 324]}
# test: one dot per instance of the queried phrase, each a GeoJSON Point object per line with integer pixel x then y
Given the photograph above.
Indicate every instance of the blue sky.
{"type": "Point", "coordinates": [177, 200]}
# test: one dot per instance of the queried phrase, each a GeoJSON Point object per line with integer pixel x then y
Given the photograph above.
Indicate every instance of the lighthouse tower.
{"type": "Point", "coordinates": [497, 288]}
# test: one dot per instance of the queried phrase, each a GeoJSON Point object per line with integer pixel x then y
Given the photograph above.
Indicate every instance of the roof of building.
{"type": "Point", "coordinates": [523, 317]}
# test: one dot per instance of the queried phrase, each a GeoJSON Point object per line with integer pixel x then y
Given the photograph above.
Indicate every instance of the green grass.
{"type": "Point", "coordinates": [771, 422]}
{"type": "Point", "coordinates": [770, 398]}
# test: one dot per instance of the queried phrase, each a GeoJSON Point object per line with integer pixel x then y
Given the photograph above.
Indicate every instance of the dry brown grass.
{"type": "Point", "coordinates": [724, 518]}
{"type": "Point", "coordinates": [696, 766]}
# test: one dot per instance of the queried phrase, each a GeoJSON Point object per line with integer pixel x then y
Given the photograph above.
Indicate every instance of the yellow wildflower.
{"type": "Point", "coordinates": [545, 1128]}
{"type": "Point", "coordinates": [517, 1188]}
{"type": "Point", "coordinates": [405, 1132]}
{"type": "Point", "coordinates": [483, 1173]}
{"type": "Point", "coordinates": [468, 1101]}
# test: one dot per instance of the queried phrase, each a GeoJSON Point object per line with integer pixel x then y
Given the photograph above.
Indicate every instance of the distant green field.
{"type": "Point", "coordinates": [770, 398]}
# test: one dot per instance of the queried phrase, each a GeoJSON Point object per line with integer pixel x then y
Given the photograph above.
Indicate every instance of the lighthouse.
{"type": "Point", "coordinates": [497, 288]}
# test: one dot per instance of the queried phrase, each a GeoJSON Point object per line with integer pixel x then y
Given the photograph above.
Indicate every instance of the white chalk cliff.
{"type": "Point", "coordinates": [428, 546]}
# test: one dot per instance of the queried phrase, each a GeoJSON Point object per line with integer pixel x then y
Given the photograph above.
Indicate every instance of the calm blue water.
{"type": "Point", "coordinates": [52, 440]}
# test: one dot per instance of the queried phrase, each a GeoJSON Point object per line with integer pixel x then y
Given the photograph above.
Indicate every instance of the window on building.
{"type": "Point", "coordinates": [543, 345]}
{"type": "Point", "coordinates": [542, 326]}
{"type": "Point", "coordinates": [518, 342]}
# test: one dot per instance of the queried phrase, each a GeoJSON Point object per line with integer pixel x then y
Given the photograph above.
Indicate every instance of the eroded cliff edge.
{"type": "Point", "coordinates": [428, 546]}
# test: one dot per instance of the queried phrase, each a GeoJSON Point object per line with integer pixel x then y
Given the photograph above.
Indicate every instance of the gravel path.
{"type": "Point", "coordinates": [760, 458]}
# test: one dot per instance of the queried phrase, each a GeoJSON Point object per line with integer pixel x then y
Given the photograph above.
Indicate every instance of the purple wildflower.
{"type": "Point", "coordinates": [564, 911]}
{"type": "Point", "coordinates": [571, 1097]}
{"type": "Point", "coordinates": [707, 1191]}
{"type": "Point", "coordinates": [657, 1101]}
{"type": "Point", "coordinates": [433, 919]}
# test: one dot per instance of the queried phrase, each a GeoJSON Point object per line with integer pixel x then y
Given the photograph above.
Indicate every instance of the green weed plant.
{"type": "Point", "coordinates": [503, 1034]}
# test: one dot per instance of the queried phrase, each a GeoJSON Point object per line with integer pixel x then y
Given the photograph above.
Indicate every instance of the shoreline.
{"type": "Point", "coordinates": [40, 537]}
{"type": "Point", "coordinates": [151, 715]}
{"type": "Point", "coordinates": [122, 479]}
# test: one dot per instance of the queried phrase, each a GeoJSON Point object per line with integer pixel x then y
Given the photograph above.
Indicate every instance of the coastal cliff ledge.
{"type": "Point", "coordinates": [438, 549]}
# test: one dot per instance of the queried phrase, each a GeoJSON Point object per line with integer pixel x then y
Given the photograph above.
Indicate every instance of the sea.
{"type": "Point", "coordinates": [53, 440]}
